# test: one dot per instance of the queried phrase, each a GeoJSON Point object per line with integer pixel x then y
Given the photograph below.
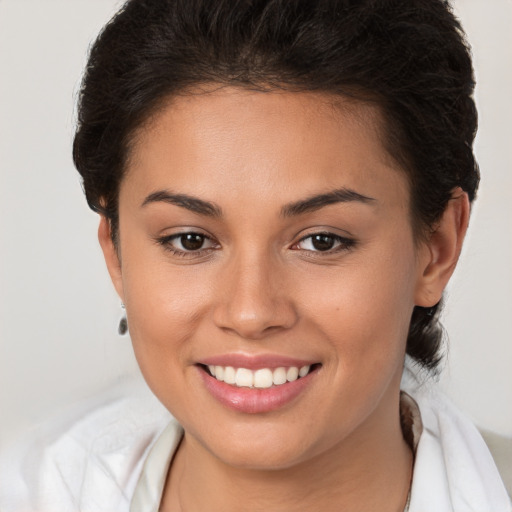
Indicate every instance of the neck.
{"type": "Point", "coordinates": [370, 470]}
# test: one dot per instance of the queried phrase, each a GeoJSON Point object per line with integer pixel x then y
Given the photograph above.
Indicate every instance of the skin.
{"type": "Point", "coordinates": [259, 286]}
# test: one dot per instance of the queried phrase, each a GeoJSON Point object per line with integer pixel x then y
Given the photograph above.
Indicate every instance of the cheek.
{"type": "Point", "coordinates": [365, 306]}
{"type": "Point", "coordinates": [363, 313]}
{"type": "Point", "coordinates": [165, 305]}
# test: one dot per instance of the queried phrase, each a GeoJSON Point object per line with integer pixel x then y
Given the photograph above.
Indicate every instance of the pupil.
{"type": "Point", "coordinates": [192, 241]}
{"type": "Point", "coordinates": [323, 242]}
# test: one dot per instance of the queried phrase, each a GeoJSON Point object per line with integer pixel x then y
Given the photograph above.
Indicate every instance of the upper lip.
{"type": "Point", "coordinates": [255, 362]}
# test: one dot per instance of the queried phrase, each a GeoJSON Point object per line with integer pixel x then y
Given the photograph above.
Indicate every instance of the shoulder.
{"type": "Point", "coordinates": [453, 469]}
{"type": "Point", "coordinates": [90, 459]}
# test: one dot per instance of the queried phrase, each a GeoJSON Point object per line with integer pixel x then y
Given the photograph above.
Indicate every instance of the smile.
{"type": "Point", "coordinates": [270, 383]}
{"type": "Point", "coordinates": [262, 378]}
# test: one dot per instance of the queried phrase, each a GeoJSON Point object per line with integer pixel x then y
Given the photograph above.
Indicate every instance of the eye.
{"type": "Point", "coordinates": [190, 241]}
{"type": "Point", "coordinates": [186, 243]}
{"type": "Point", "coordinates": [324, 242]}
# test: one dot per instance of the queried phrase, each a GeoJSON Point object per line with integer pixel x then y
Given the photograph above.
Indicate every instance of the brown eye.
{"type": "Point", "coordinates": [188, 243]}
{"type": "Point", "coordinates": [192, 241]}
{"type": "Point", "coordinates": [323, 242]}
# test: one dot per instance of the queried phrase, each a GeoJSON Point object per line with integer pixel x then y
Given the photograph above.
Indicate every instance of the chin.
{"type": "Point", "coordinates": [261, 444]}
{"type": "Point", "coordinates": [261, 456]}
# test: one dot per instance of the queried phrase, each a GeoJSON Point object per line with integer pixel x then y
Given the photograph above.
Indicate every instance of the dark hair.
{"type": "Point", "coordinates": [408, 56]}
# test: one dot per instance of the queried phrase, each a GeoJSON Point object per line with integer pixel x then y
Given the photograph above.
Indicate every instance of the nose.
{"type": "Point", "coordinates": [254, 301]}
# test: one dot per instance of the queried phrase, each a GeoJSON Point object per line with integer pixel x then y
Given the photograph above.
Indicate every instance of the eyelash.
{"type": "Point", "coordinates": [343, 244]}
{"type": "Point", "coordinates": [166, 243]}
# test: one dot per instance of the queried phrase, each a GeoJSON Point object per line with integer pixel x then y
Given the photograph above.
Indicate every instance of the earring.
{"type": "Point", "coordinates": [123, 324]}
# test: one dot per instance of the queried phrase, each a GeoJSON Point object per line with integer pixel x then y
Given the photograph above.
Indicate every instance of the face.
{"type": "Point", "coordinates": [262, 235]}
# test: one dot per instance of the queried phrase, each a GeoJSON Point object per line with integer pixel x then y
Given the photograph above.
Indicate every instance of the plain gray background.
{"type": "Point", "coordinates": [58, 311]}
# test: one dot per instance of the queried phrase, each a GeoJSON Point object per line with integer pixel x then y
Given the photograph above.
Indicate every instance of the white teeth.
{"type": "Point", "coordinates": [244, 378]}
{"type": "Point", "coordinates": [303, 371]}
{"type": "Point", "coordinates": [229, 375]}
{"type": "Point", "coordinates": [262, 378]}
{"type": "Point", "coordinates": [292, 374]}
{"type": "Point", "coordinates": [279, 376]}
{"type": "Point", "coordinates": [219, 372]}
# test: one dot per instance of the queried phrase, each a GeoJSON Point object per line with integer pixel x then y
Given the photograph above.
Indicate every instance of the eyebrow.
{"type": "Point", "coordinates": [313, 203]}
{"type": "Point", "coordinates": [209, 209]}
{"type": "Point", "coordinates": [184, 201]}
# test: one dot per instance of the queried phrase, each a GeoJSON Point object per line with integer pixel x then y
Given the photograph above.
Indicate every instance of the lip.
{"type": "Point", "coordinates": [254, 400]}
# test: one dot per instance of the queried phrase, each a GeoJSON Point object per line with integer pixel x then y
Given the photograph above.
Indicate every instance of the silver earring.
{"type": "Point", "coordinates": [123, 324]}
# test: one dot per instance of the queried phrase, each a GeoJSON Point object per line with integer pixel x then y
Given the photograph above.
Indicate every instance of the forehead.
{"type": "Point", "coordinates": [232, 141]}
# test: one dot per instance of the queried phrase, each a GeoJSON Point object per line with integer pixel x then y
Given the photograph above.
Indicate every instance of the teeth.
{"type": "Point", "coordinates": [292, 374]}
{"type": "Point", "coordinates": [219, 372]}
{"type": "Point", "coordinates": [303, 371]}
{"type": "Point", "coordinates": [229, 375]}
{"type": "Point", "coordinates": [279, 376]}
{"type": "Point", "coordinates": [262, 378]}
{"type": "Point", "coordinates": [243, 378]}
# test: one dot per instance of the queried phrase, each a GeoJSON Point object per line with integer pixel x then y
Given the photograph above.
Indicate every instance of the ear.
{"type": "Point", "coordinates": [440, 253]}
{"type": "Point", "coordinates": [110, 253]}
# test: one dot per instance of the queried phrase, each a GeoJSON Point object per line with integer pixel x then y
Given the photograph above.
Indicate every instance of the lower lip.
{"type": "Point", "coordinates": [254, 400]}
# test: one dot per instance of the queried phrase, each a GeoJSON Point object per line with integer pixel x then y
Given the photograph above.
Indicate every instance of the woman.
{"type": "Point", "coordinates": [284, 189]}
